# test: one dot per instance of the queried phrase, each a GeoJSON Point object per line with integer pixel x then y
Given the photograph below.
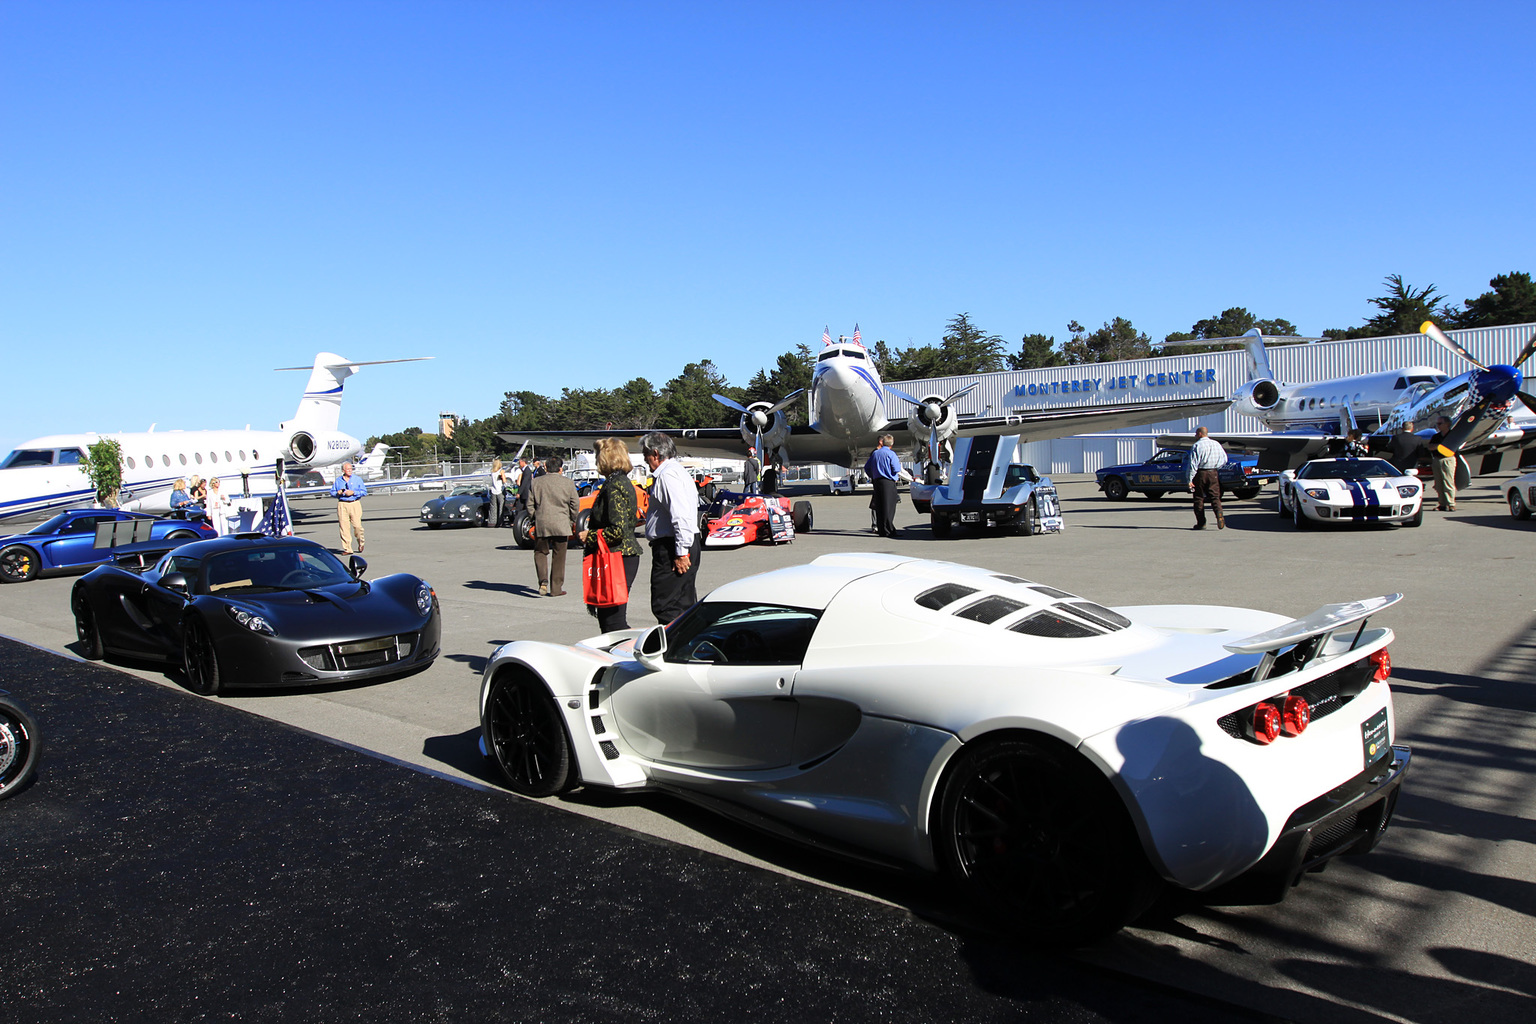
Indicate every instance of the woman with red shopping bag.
{"type": "Point", "coordinates": [612, 557]}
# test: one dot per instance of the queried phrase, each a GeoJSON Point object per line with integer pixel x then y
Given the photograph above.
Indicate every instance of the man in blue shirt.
{"type": "Point", "coordinates": [349, 491]}
{"type": "Point", "coordinates": [883, 468]}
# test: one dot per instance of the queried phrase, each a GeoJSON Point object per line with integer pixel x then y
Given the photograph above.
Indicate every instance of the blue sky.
{"type": "Point", "coordinates": [556, 195]}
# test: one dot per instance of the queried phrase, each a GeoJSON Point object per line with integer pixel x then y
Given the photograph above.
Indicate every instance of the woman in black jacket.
{"type": "Point", "coordinates": [613, 516]}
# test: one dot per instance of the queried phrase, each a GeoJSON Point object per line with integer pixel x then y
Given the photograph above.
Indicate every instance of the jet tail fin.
{"type": "Point", "coordinates": [320, 407]}
{"type": "Point", "coordinates": [1258, 356]}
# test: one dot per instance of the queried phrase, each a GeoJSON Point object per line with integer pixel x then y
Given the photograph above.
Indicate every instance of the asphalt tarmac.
{"type": "Point", "coordinates": [1436, 925]}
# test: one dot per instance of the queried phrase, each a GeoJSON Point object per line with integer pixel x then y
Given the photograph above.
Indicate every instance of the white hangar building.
{"type": "Point", "coordinates": [1206, 375]}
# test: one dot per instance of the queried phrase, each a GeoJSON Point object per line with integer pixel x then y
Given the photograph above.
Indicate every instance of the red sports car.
{"type": "Point", "coordinates": [736, 520]}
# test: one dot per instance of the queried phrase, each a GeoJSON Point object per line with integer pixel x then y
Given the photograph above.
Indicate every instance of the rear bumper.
{"type": "Point", "coordinates": [1347, 820]}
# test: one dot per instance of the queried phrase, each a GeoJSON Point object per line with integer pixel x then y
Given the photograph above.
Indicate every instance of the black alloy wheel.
{"type": "Point", "coordinates": [199, 660]}
{"type": "Point", "coordinates": [18, 747]}
{"type": "Point", "coordinates": [1115, 489]}
{"type": "Point", "coordinates": [1039, 839]}
{"type": "Point", "coordinates": [18, 564]}
{"type": "Point", "coordinates": [86, 631]}
{"type": "Point", "coordinates": [526, 736]}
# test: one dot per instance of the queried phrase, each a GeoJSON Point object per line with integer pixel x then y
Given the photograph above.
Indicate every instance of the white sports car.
{"type": "Point", "coordinates": [1521, 492]}
{"type": "Point", "coordinates": [1353, 490]}
{"type": "Point", "coordinates": [1058, 758]}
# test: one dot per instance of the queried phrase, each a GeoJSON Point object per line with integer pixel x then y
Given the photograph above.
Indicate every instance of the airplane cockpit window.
{"type": "Point", "coordinates": [71, 457]}
{"type": "Point", "coordinates": [855, 353]}
{"type": "Point", "coordinates": [1439, 378]}
{"type": "Point", "coordinates": [23, 458]}
{"type": "Point", "coordinates": [740, 633]}
{"type": "Point", "coordinates": [1402, 382]}
{"type": "Point", "coordinates": [828, 354]}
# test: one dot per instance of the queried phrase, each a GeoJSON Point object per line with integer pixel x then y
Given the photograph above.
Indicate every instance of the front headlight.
{"type": "Point", "coordinates": [251, 621]}
{"type": "Point", "coordinates": [424, 596]}
{"type": "Point", "coordinates": [426, 510]}
{"type": "Point", "coordinates": [1317, 493]}
{"type": "Point", "coordinates": [1407, 490]}
{"type": "Point", "coordinates": [463, 510]}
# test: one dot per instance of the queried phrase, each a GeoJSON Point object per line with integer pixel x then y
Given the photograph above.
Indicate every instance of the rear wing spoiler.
{"type": "Point", "coordinates": [1307, 635]}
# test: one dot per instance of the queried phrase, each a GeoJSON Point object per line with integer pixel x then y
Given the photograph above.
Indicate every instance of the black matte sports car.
{"type": "Point", "coordinates": [259, 612]}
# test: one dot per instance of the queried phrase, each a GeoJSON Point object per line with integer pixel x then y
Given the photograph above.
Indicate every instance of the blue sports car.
{"type": "Point", "coordinates": [81, 539]}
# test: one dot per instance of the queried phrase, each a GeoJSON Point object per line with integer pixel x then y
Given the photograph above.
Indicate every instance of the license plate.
{"type": "Point", "coordinates": [970, 517]}
{"type": "Point", "coordinates": [1373, 736]}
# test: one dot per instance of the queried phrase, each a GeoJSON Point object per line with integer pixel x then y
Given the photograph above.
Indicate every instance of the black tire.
{"type": "Point", "coordinates": [1115, 489]}
{"type": "Point", "coordinates": [18, 564]}
{"type": "Point", "coordinates": [526, 736]}
{"type": "Point", "coordinates": [199, 659]}
{"type": "Point", "coordinates": [1517, 506]}
{"type": "Point", "coordinates": [582, 519]}
{"type": "Point", "coordinates": [1154, 495]}
{"type": "Point", "coordinates": [941, 525]}
{"type": "Point", "coordinates": [1244, 493]}
{"type": "Point", "coordinates": [434, 526]}
{"type": "Point", "coordinates": [1039, 838]}
{"type": "Point", "coordinates": [1025, 524]}
{"type": "Point", "coordinates": [709, 491]}
{"type": "Point", "coordinates": [182, 535]}
{"type": "Point", "coordinates": [770, 482]}
{"type": "Point", "coordinates": [1418, 517]}
{"type": "Point", "coordinates": [522, 529]}
{"type": "Point", "coordinates": [801, 515]}
{"type": "Point", "coordinates": [18, 747]}
{"type": "Point", "coordinates": [86, 631]}
{"type": "Point", "coordinates": [483, 517]}
{"type": "Point", "coordinates": [1299, 517]}
{"type": "Point", "coordinates": [932, 474]}
{"type": "Point", "coordinates": [1280, 505]}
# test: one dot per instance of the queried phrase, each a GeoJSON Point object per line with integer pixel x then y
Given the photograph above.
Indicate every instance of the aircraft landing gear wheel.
{"type": "Point", "coordinates": [18, 564]}
{"type": "Point", "coordinates": [1039, 839]}
{"type": "Point", "coordinates": [18, 747]}
{"type": "Point", "coordinates": [199, 660]}
{"type": "Point", "coordinates": [932, 474]}
{"type": "Point", "coordinates": [940, 524]}
{"type": "Point", "coordinates": [526, 737]}
{"type": "Point", "coordinates": [1115, 489]}
{"type": "Point", "coordinates": [1517, 506]}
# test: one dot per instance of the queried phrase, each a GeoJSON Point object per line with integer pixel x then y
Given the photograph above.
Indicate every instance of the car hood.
{"type": "Point", "coordinates": [344, 610]}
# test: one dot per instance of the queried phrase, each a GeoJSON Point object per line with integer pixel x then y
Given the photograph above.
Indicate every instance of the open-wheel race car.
{"type": "Point", "coordinates": [736, 520]}
{"type": "Point", "coordinates": [1060, 760]}
{"type": "Point", "coordinates": [259, 612]}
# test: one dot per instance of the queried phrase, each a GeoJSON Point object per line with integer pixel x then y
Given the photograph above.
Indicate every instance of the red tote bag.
{"type": "Point", "coordinates": [602, 577]}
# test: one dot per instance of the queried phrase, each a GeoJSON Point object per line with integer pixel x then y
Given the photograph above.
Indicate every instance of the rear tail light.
{"type": "Point", "coordinates": [1295, 715]}
{"type": "Point", "coordinates": [1383, 662]}
{"type": "Point", "coordinates": [1264, 724]}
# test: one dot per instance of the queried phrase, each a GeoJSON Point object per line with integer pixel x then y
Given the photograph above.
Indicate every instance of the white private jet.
{"type": "Point", "coordinates": [44, 475]}
{"type": "Point", "coordinates": [1307, 421]}
{"type": "Point", "coordinates": [849, 414]}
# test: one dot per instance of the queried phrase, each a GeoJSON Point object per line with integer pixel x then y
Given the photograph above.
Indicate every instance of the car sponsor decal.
{"type": "Point", "coordinates": [1373, 736]}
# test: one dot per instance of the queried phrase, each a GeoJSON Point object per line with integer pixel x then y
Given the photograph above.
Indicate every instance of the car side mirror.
{"type": "Point", "coordinates": [651, 646]}
{"type": "Point", "coordinates": [175, 582]}
{"type": "Point", "coordinates": [1410, 472]}
{"type": "Point", "coordinates": [357, 566]}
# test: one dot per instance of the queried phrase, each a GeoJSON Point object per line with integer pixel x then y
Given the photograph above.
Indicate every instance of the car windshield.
{"type": "Point", "coordinates": [465, 490]}
{"type": "Point", "coordinates": [273, 568]}
{"type": "Point", "coordinates": [1348, 469]}
{"type": "Point", "coordinates": [51, 526]}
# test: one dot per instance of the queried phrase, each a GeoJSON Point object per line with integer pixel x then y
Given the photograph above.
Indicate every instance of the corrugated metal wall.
{"type": "Point", "coordinates": [1292, 364]}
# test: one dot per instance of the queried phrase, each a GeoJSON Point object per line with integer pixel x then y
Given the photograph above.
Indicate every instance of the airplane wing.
{"type": "Point", "coordinates": [805, 445]}
{"type": "Point", "coordinates": [1043, 424]}
{"type": "Point", "coordinates": [1288, 450]}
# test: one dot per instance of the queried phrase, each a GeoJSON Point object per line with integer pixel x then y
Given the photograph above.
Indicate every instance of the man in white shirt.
{"type": "Point", "coordinates": [1203, 472]}
{"type": "Point", "coordinates": [672, 528]}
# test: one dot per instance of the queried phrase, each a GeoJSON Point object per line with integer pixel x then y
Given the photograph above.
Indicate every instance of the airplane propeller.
{"type": "Point", "coordinates": [760, 414]}
{"type": "Point", "coordinates": [930, 413]}
{"type": "Point", "coordinates": [1503, 383]}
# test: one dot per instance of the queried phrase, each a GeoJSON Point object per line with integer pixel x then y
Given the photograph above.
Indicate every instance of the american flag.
{"type": "Point", "coordinates": [277, 523]}
{"type": "Point", "coordinates": [826, 335]}
{"type": "Point", "coordinates": [856, 340]}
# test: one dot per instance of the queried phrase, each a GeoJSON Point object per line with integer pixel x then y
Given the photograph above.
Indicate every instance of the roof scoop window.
{"type": "Point", "coordinates": [1051, 592]}
{"type": "Point", "coordinates": [1057, 627]}
{"type": "Point", "coordinates": [1099, 614]}
{"type": "Point", "coordinates": [989, 609]}
{"type": "Point", "coordinates": [944, 594]}
{"type": "Point", "coordinates": [1009, 579]}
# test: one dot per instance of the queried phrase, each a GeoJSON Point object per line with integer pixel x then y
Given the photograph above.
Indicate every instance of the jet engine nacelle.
{"type": "Point", "coordinates": [775, 431]}
{"type": "Point", "coordinates": [325, 447]}
{"type": "Point", "coordinates": [1256, 397]}
{"type": "Point", "coordinates": [933, 413]}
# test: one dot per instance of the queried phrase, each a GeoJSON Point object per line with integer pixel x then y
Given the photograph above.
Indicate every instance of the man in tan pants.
{"type": "Point", "coordinates": [350, 492]}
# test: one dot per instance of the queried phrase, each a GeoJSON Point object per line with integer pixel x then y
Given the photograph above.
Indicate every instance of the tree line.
{"type": "Point", "coordinates": [964, 348]}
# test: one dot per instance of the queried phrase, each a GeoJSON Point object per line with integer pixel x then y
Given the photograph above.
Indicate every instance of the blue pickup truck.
{"type": "Point", "coordinates": [1164, 472]}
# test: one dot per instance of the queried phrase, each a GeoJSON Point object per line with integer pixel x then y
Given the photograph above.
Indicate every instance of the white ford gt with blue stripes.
{"type": "Point", "coordinates": [1351, 491]}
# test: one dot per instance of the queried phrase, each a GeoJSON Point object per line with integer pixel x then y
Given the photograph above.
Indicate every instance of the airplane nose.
{"type": "Point", "coordinates": [1500, 383]}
